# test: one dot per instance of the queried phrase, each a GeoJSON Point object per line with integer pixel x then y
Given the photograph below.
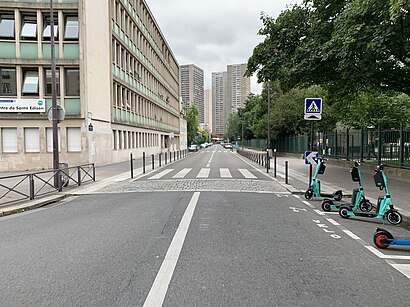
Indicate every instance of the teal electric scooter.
{"type": "Point", "coordinates": [384, 209]}
{"type": "Point", "coordinates": [359, 200]}
{"type": "Point", "coordinates": [314, 188]}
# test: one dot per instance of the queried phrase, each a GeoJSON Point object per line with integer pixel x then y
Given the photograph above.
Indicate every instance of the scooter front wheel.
{"type": "Point", "coordinates": [326, 205]}
{"type": "Point", "coordinates": [344, 212]}
{"type": "Point", "coordinates": [394, 218]}
{"type": "Point", "coordinates": [308, 194]}
{"type": "Point", "coordinates": [379, 239]}
{"type": "Point", "coordinates": [365, 206]}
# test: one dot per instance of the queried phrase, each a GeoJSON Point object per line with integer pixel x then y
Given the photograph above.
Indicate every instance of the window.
{"type": "Point", "coordinates": [72, 82]}
{"type": "Point", "coordinates": [30, 84]}
{"type": "Point", "coordinates": [71, 28]}
{"type": "Point", "coordinates": [9, 138]}
{"type": "Point", "coordinates": [29, 27]}
{"type": "Point", "coordinates": [32, 139]}
{"type": "Point", "coordinates": [74, 139]}
{"type": "Point", "coordinates": [48, 82]}
{"type": "Point", "coordinates": [49, 136]}
{"type": "Point", "coordinates": [7, 25]}
{"type": "Point", "coordinates": [47, 28]}
{"type": "Point", "coordinates": [8, 83]}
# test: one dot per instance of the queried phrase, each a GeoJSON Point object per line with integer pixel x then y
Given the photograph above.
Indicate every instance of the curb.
{"type": "Point", "coordinates": [26, 207]}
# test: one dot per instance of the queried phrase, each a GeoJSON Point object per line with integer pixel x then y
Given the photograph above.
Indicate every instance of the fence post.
{"type": "Point", "coordinates": [79, 175]}
{"type": "Point", "coordinates": [361, 144]}
{"type": "Point", "coordinates": [132, 166]}
{"type": "Point", "coordinates": [401, 150]}
{"type": "Point", "coordinates": [335, 151]}
{"type": "Point", "coordinates": [143, 162]}
{"type": "Point", "coordinates": [379, 145]}
{"type": "Point", "coordinates": [31, 186]}
{"type": "Point", "coordinates": [347, 144]}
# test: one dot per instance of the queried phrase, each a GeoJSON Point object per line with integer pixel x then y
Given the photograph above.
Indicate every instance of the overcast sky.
{"type": "Point", "coordinates": [214, 33]}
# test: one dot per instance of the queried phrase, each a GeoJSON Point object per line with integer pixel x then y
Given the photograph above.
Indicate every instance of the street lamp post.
{"type": "Point", "coordinates": [268, 145]}
{"type": "Point", "coordinates": [56, 161]}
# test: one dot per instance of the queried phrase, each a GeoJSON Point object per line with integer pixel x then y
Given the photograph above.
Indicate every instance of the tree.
{"type": "Point", "coordinates": [192, 122]}
{"type": "Point", "coordinates": [233, 126]}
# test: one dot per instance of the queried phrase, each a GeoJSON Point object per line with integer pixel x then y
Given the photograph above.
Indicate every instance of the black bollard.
{"type": "Point", "coordinates": [286, 172]}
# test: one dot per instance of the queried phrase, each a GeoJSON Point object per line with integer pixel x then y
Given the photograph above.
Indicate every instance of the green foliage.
{"type": "Point", "coordinates": [192, 122]}
{"type": "Point", "coordinates": [204, 136]}
{"type": "Point", "coordinates": [233, 126]}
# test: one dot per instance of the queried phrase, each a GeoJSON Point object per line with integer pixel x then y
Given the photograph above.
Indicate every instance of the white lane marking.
{"type": "Point", "coordinates": [203, 173]}
{"type": "Point", "coordinates": [247, 174]}
{"type": "Point", "coordinates": [402, 268]}
{"type": "Point", "coordinates": [351, 234]}
{"type": "Point", "coordinates": [208, 165]}
{"type": "Point", "coordinates": [161, 174]}
{"type": "Point", "coordinates": [296, 196]}
{"type": "Point", "coordinates": [159, 288]}
{"type": "Point", "coordinates": [182, 173]}
{"type": "Point", "coordinates": [319, 212]}
{"type": "Point", "coordinates": [383, 256]}
{"type": "Point", "coordinates": [333, 222]}
{"type": "Point", "coordinates": [307, 203]}
{"type": "Point", "coordinates": [225, 173]}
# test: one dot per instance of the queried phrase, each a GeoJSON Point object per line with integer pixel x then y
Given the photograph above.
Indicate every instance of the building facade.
{"type": "Point", "coordinates": [238, 87]}
{"type": "Point", "coordinates": [117, 81]}
{"type": "Point", "coordinates": [192, 87]}
{"type": "Point", "coordinates": [218, 103]}
{"type": "Point", "coordinates": [208, 109]}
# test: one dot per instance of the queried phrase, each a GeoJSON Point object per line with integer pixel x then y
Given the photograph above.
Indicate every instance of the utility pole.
{"type": "Point", "coordinates": [56, 161]}
{"type": "Point", "coordinates": [268, 145]}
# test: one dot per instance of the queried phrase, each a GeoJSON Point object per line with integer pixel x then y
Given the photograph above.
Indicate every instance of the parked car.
{"type": "Point", "coordinates": [228, 146]}
{"type": "Point", "coordinates": [193, 148]}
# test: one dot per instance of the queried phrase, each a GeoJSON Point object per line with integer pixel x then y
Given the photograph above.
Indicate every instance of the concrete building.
{"type": "Point", "coordinates": [208, 109]}
{"type": "Point", "coordinates": [117, 80]}
{"type": "Point", "coordinates": [238, 87]}
{"type": "Point", "coordinates": [218, 103]}
{"type": "Point", "coordinates": [192, 87]}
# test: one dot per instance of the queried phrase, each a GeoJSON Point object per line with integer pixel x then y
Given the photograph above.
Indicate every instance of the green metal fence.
{"type": "Point", "coordinates": [390, 147]}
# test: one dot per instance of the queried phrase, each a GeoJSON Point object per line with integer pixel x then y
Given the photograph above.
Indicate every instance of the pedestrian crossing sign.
{"type": "Point", "coordinates": [313, 106]}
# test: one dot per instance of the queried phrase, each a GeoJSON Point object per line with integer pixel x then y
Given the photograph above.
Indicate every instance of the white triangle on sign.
{"type": "Point", "coordinates": [313, 108]}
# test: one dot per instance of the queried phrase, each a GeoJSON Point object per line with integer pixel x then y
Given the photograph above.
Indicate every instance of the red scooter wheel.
{"type": "Point", "coordinates": [380, 239]}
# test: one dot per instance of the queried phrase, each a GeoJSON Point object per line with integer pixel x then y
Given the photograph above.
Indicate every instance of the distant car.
{"type": "Point", "coordinates": [193, 148]}
{"type": "Point", "coordinates": [228, 146]}
{"type": "Point", "coordinates": [204, 145]}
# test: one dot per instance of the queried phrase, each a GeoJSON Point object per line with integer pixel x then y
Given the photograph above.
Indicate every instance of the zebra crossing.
{"type": "Point", "coordinates": [203, 173]}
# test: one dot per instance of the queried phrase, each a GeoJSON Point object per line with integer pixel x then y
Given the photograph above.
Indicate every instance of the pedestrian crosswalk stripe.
{"type": "Point", "coordinates": [161, 174]}
{"type": "Point", "coordinates": [182, 173]}
{"type": "Point", "coordinates": [225, 173]}
{"type": "Point", "coordinates": [203, 173]}
{"type": "Point", "coordinates": [247, 174]}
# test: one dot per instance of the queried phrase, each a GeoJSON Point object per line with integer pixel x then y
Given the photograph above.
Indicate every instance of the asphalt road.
{"type": "Point", "coordinates": [175, 238]}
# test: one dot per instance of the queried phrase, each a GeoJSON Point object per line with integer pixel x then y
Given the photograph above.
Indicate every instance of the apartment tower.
{"type": "Point", "coordinates": [192, 87]}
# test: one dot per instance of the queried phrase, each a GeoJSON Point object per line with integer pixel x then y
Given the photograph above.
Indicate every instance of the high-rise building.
{"type": "Point", "coordinates": [218, 103]}
{"type": "Point", "coordinates": [192, 87]}
{"type": "Point", "coordinates": [238, 87]}
{"type": "Point", "coordinates": [117, 80]}
{"type": "Point", "coordinates": [208, 109]}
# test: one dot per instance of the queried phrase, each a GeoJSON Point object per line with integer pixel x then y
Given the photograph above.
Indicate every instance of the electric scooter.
{"type": "Point", "coordinates": [314, 188]}
{"type": "Point", "coordinates": [383, 239]}
{"type": "Point", "coordinates": [358, 198]}
{"type": "Point", "coordinates": [384, 206]}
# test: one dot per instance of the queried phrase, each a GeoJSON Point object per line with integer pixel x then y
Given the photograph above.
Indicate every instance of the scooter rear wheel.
{"type": "Point", "coordinates": [379, 239]}
{"type": "Point", "coordinates": [365, 206]}
{"type": "Point", "coordinates": [308, 194]}
{"type": "Point", "coordinates": [338, 196]}
{"type": "Point", "coordinates": [394, 218]}
{"type": "Point", "coordinates": [326, 205]}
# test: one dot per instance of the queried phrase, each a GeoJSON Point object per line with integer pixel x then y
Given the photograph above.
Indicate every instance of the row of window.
{"type": "Point", "coordinates": [32, 140]}
{"type": "Point", "coordinates": [130, 139]}
{"type": "Point", "coordinates": [29, 26]}
{"type": "Point", "coordinates": [29, 81]}
{"type": "Point", "coordinates": [126, 99]}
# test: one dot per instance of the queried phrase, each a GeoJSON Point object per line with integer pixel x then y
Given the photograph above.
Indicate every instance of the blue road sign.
{"type": "Point", "coordinates": [311, 157]}
{"type": "Point", "coordinates": [313, 106]}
